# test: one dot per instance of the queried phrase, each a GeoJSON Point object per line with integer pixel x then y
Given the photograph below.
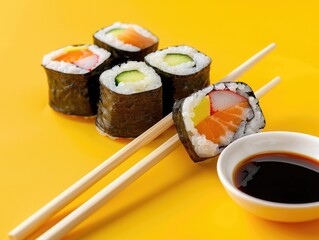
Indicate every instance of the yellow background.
{"type": "Point", "coordinates": [43, 152]}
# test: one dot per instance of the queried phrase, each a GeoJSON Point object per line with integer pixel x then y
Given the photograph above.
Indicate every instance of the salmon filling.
{"type": "Point", "coordinates": [73, 55]}
{"type": "Point", "coordinates": [131, 36]}
{"type": "Point", "coordinates": [79, 56]}
{"type": "Point", "coordinates": [219, 123]}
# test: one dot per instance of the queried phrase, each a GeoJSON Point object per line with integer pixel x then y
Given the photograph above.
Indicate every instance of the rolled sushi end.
{"type": "Point", "coordinates": [80, 56]}
{"type": "Point", "coordinates": [131, 77]}
{"type": "Point", "coordinates": [126, 42]}
{"type": "Point", "coordinates": [210, 119]}
{"type": "Point", "coordinates": [131, 100]}
{"type": "Point", "coordinates": [127, 37]}
{"type": "Point", "coordinates": [72, 74]}
{"type": "Point", "coordinates": [178, 60]}
{"type": "Point", "coordinates": [183, 70]}
{"type": "Point", "coordinates": [76, 59]}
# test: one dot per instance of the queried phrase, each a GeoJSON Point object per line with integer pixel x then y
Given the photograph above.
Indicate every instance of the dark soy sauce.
{"type": "Point", "coordinates": [279, 177]}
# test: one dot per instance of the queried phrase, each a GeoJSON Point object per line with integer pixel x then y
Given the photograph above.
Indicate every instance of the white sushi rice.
{"type": "Point", "coordinates": [202, 146]}
{"type": "Point", "coordinates": [150, 82]}
{"type": "Point", "coordinates": [104, 36]}
{"type": "Point", "coordinates": [200, 60]}
{"type": "Point", "coordinates": [205, 148]}
{"type": "Point", "coordinates": [66, 67]}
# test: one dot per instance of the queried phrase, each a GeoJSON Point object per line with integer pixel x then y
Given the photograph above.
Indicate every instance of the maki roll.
{"type": "Point", "coordinates": [210, 119]}
{"type": "Point", "coordinates": [131, 100]}
{"type": "Point", "coordinates": [126, 42]}
{"type": "Point", "coordinates": [73, 78]}
{"type": "Point", "coordinates": [183, 71]}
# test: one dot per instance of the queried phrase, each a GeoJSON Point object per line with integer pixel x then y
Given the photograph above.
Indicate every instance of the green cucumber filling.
{"type": "Point", "coordinates": [116, 31]}
{"type": "Point", "coordinates": [129, 76]}
{"type": "Point", "coordinates": [174, 59]}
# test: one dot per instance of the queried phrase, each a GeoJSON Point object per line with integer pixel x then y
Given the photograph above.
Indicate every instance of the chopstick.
{"type": "Point", "coordinates": [71, 193]}
{"type": "Point", "coordinates": [236, 73]}
{"type": "Point", "coordinates": [99, 199]}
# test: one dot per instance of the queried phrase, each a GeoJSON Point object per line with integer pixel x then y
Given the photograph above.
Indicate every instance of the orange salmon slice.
{"type": "Point", "coordinates": [215, 126]}
{"type": "Point", "coordinates": [131, 36]}
{"type": "Point", "coordinates": [74, 55]}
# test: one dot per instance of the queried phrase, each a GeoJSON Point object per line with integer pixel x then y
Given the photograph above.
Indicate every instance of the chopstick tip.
{"type": "Point", "coordinates": [272, 45]}
{"type": "Point", "coordinates": [277, 79]}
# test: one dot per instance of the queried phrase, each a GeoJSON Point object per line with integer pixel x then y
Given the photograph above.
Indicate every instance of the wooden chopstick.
{"type": "Point", "coordinates": [236, 73]}
{"type": "Point", "coordinates": [71, 193]}
{"type": "Point", "coordinates": [99, 199]}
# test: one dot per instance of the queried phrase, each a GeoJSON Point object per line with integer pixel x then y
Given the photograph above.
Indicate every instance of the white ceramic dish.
{"type": "Point", "coordinates": [268, 142]}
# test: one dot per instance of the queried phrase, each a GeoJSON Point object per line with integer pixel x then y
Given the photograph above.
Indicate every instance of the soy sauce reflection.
{"type": "Point", "coordinates": [279, 177]}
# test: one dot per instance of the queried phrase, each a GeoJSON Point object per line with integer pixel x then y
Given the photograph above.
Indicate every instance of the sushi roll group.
{"type": "Point", "coordinates": [131, 100]}
{"type": "Point", "coordinates": [129, 96]}
{"type": "Point", "coordinates": [183, 71]}
{"type": "Point", "coordinates": [126, 42]}
{"type": "Point", "coordinates": [73, 78]}
{"type": "Point", "coordinates": [210, 119]}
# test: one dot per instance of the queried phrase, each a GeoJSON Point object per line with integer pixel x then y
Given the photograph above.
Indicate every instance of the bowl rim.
{"type": "Point", "coordinates": [229, 187]}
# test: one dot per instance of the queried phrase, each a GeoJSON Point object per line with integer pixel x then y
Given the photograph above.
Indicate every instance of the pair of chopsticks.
{"type": "Point", "coordinates": [98, 200]}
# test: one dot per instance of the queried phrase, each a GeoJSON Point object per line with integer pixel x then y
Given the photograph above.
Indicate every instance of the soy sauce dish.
{"type": "Point", "coordinates": [274, 175]}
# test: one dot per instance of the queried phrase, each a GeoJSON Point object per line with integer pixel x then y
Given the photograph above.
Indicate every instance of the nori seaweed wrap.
{"type": "Point", "coordinates": [126, 42]}
{"type": "Point", "coordinates": [73, 78]}
{"type": "Point", "coordinates": [209, 120]}
{"type": "Point", "coordinates": [131, 100]}
{"type": "Point", "coordinates": [183, 71]}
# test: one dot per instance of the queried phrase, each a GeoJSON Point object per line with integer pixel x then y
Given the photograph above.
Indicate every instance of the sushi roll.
{"type": "Point", "coordinates": [126, 42]}
{"type": "Point", "coordinates": [131, 100]}
{"type": "Point", "coordinates": [73, 78]}
{"type": "Point", "coordinates": [210, 119]}
{"type": "Point", "coordinates": [183, 71]}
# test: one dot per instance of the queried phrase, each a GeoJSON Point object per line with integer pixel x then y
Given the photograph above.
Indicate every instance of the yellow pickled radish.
{"type": "Point", "coordinates": [201, 111]}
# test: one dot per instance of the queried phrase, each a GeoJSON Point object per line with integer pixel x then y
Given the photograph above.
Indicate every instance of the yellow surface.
{"type": "Point", "coordinates": [43, 152]}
